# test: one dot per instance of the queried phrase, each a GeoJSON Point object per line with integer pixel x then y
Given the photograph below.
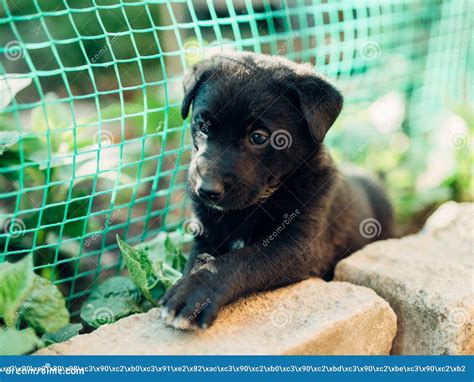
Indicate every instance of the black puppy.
{"type": "Point", "coordinates": [273, 207]}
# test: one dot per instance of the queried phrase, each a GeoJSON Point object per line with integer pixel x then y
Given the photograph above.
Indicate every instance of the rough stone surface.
{"type": "Point", "coordinates": [428, 281]}
{"type": "Point", "coordinates": [312, 317]}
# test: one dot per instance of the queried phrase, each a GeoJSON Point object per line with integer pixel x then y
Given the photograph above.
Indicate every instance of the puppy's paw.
{"type": "Point", "coordinates": [191, 303]}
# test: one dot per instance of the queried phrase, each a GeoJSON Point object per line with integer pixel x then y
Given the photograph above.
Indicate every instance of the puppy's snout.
{"type": "Point", "coordinates": [211, 189]}
{"type": "Point", "coordinates": [209, 185]}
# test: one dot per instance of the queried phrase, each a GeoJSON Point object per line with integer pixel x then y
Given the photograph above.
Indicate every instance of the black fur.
{"type": "Point", "coordinates": [271, 214]}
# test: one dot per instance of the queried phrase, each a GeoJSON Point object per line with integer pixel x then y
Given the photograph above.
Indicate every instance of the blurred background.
{"type": "Point", "coordinates": [92, 143]}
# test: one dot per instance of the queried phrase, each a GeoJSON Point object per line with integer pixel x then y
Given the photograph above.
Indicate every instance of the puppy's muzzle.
{"type": "Point", "coordinates": [210, 189]}
{"type": "Point", "coordinates": [208, 184]}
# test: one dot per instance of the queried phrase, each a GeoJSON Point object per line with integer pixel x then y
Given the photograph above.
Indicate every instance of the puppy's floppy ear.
{"type": "Point", "coordinates": [193, 79]}
{"type": "Point", "coordinates": [320, 103]}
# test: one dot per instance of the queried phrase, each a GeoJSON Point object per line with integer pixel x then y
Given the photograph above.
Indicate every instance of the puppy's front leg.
{"type": "Point", "coordinates": [196, 299]}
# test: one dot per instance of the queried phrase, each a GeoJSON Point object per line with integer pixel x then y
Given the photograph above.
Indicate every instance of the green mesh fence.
{"type": "Point", "coordinates": [91, 140]}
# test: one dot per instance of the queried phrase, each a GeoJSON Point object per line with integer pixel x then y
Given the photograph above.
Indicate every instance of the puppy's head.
{"type": "Point", "coordinates": [254, 119]}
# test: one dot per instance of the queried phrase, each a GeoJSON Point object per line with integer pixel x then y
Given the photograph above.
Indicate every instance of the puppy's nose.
{"type": "Point", "coordinates": [212, 190]}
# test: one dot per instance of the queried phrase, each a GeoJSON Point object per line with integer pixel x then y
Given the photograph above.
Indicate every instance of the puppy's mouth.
{"type": "Point", "coordinates": [236, 198]}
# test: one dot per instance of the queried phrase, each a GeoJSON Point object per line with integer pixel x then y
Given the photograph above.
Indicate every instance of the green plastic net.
{"type": "Point", "coordinates": [91, 140]}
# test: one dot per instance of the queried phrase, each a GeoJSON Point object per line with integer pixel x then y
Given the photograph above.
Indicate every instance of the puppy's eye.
{"type": "Point", "coordinates": [258, 138]}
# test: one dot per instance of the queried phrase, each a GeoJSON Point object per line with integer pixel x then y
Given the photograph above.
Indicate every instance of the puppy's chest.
{"type": "Point", "coordinates": [230, 239]}
{"type": "Point", "coordinates": [232, 234]}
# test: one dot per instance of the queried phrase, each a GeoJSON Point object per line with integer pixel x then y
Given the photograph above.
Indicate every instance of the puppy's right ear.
{"type": "Point", "coordinates": [320, 102]}
{"type": "Point", "coordinates": [193, 79]}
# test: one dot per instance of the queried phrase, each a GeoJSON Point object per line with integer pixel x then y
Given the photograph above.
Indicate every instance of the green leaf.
{"type": "Point", "coordinates": [63, 334]}
{"type": "Point", "coordinates": [166, 247]}
{"type": "Point", "coordinates": [165, 258]}
{"type": "Point", "coordinates": [16, 283]}
{"type": "Point", "coordinates": [166, 276]}
{"type": "Point", "coordinates": [169, 246]}
{"type": "Point", "coordinates": [115, 298]}
{"type": "Point", "coordinates": [17, 342]}
{"type": "Point", "coordinates": [140, 268]}
{"type": "Point", "coordinates": [51, 120]}
{"type": "Point", "coordinates": [33, 148]}
{"type": "Point", "coordinates": [45, 309]}
{"type": "Point", "coordinates": [178, 261]}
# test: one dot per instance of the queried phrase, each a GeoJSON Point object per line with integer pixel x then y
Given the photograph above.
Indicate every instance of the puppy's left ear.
{"type": "Point", "coordinates": [320, 103]}
{"type": "Point", "coordinates": [193, 79]}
